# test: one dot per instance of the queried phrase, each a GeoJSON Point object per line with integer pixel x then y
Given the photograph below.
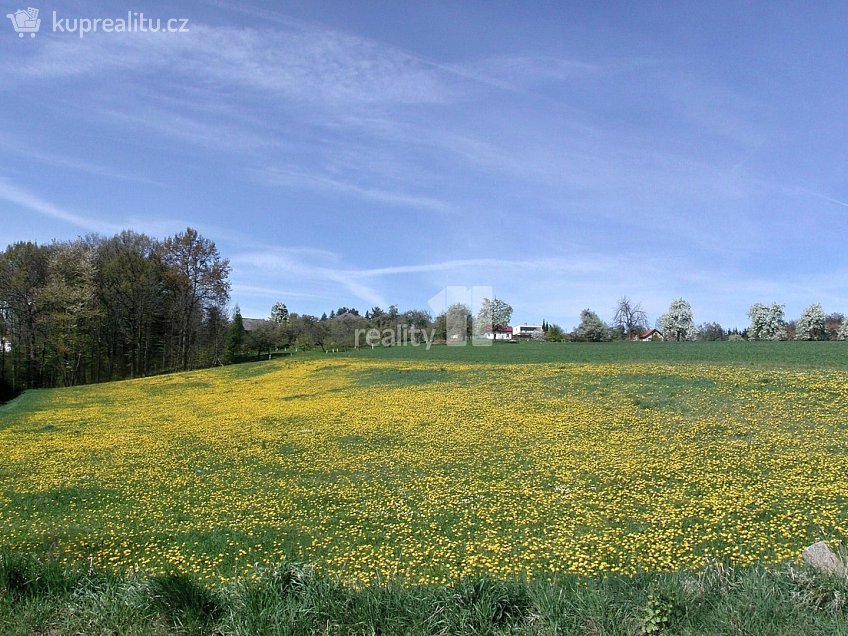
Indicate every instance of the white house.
{"type": "Point", "coordinates": [5, 345]}
{"type": "Point", "coordinates": [651, 335]}
{"type": "Point", "coordinates": [498, 333]}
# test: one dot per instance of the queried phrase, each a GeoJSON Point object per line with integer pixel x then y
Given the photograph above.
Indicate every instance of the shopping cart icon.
{"type": "Point", "coordinates": [25, 21]}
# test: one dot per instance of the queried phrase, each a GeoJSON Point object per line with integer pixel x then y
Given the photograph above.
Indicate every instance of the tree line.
{"type": "Point", "coordinates": [767, 322]}
{"type": "Point", "coordinates": [106, 308]}
{"type": "Point", "coordinates": [338, 329]}
{"type": "Point", "coordinates": [96, 308]}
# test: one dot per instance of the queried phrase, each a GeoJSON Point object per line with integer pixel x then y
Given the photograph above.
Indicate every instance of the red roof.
{"type": "Point", "coordinates": [498, 329]}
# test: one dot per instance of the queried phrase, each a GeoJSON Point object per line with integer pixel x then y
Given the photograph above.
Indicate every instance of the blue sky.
{"type": "Point", "coordinates": [368, 153]}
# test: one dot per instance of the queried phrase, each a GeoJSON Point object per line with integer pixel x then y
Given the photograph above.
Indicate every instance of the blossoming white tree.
{"type": "Point", "coordinates": [811, 324]}
{"type": "Point", "coordinates": [493, 313]}
{"type": "Point", "coordinates": [677, 322]}
{"type": "Point", "coordinates": [767, 322]}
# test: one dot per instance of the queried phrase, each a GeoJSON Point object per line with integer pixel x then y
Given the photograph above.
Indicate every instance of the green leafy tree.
{"type": "Point", "coordinates": [235, 337]}
{"type": "Point", "coordinates": [263, 337]}
{"type": "Point", "coordinates": [711, 332]}
{"type": "Point", "coordinates": [69, 307]}
{"type": "Point", "coordinates": [198, 277]}
{"type": "Point", "coordinates": [130, 276]}
{"type": "Point", "coordinates": [23, 276]}
{"type": "Point", "coordinates": [455, 324]}
{"type": "Point", "coordinates": [340, 331]}
{"type": "Point", "coordinates": [591, 328]}
{"type": "Point", "coordinates": [554, 333]}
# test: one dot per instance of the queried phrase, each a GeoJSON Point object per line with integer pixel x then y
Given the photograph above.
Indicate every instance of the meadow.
{"type": "Point", "coordinates": [528, 461]}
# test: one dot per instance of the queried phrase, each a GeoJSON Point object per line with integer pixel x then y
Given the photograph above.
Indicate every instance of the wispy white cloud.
{"type": "Point", "coordinates": [275, 176]}
{"type": "Point", "coordinates": [831, 199]}
{"type": "Point", "coordinates": [24, 148]}
{"type": "Point", "coordinates": [505, 73]}
{"type": "Point", "coordinates": [369, 284]}
{"type": "Point", "coordinates": [583, 264]}
{"type": "Point", "coordinates": [270, 292]}
{"type": "Point", "coordinates": [285, 264]}
{"type": "Point", "coordinates": [221, 135]}
{"type": "Point", "coordinates": [521, 72]}
{"type": "Point", "coordinates": [35, 204]}
{"type": "Point", "coordinates": [313, 65]}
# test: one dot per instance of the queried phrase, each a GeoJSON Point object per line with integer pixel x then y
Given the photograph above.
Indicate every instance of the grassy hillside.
{"type": "Point", "coordinates": [431, 469]}
{"type": "Point", "coordinates": [428, 468]}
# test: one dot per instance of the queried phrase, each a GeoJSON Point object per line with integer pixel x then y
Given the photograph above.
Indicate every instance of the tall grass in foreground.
{"type": "Point", "coordinates": [39, 597]}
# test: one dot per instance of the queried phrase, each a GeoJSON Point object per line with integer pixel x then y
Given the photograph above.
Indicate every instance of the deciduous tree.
{"type": "Point", "coordinates": [711, 331]}
{"type": "Point", "coordinates": [68, 306]}
{"type": "Point", "coordinates": [129, 281]}
{"type": "Point", "coordinates": [767, 322]}
{"type": "Point", "coordinates": [811, 324]}
{"type": "Point", "coordinates": [198, 277]}
{"type": "Point", "coordinates": [554, 333]}
{"type": "Point", "coordinates": [493, 313]}
{"type": "Point", "coordinates": [23, 276]}
{"type": "Point", "coordinates": [631, 317]}
{"type": "Point", "coordinates": [591, 328]}
{"type": "Point", "coordinates": [677, 323]}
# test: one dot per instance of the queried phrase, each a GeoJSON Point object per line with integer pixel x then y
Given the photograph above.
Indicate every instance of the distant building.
{"type": "Point", "coordinates": [5, 345]}
{"type": "Point", "coordinates": [498, 333]}
{"type": "Point", "coordinates": [652, 335]}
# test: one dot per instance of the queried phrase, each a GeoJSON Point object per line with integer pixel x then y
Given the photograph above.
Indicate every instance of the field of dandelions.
{"type": "Point", "coordinates": [429, 470]}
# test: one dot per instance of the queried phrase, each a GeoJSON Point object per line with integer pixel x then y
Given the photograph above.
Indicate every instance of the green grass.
{"type": "Point", "coordinates": [830, 355]}
{"type": "Point", "coordinates": [39, 597]}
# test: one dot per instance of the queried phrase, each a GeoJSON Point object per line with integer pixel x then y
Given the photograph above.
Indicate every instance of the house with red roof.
{"type": "Point", "coordinates": [498, 333]}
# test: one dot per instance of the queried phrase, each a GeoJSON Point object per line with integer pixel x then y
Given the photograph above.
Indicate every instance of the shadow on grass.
{"type": "Point", "coordinates": [39, 597]}
{"type": "Point", "coordinates": [185, 602]}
